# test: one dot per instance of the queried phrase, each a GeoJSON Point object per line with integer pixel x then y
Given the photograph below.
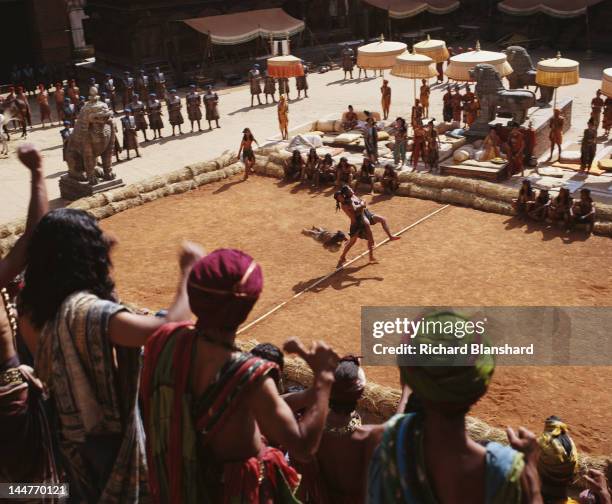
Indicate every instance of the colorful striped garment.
{"type": "Point", "coordinates": [182, 470]}
{"type": "Point", "coordinates": [94, 388]}
{"type": "Point", "coordinates": [397, 472]}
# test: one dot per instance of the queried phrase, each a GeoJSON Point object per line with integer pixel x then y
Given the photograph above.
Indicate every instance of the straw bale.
{"type": "Point", "coordinates": [203, 167]}
{"type": "Point", "coordinates": [261, 160]}
{"type": "Point", "coordinates": [226, 159]}
{"type": "Point", "coordinates": [233, 169]}
{"type": "Point", "coordinates": [181, 187]}
{"type": "Point", "coordinates": [102, 212]}
{"type": "Point", "coordinates": [121, 206]}
{"type": "Point", "coordinates": [274, 170]}
{"type": "Point", "coordinates": [151, 184]}
{"type": "Point", "coordinates": [207, 178]}
{"type": "Point", "coordinates": [493, 206]}
{"type": "Point", "coordinates": [457, 197]}
{"type": "Point", "coordinates": [156, 194]}
{"type": "Point", "coordinates": [604, 212]}
{"type": "Point", "coordinates": [461, 184]}
{"type": "Point", "coordinates": [602, 228]}
{"type": "Point", "coordinates": [431, 193]}
{"type": "Point", "coordinates": [495, 191]}
{"type": "Point", "coordinates": [280, 157]}
{"type": "Point", "coordinates": [122, 193]}
{"type": "Point", "coordinates": [179, 175]}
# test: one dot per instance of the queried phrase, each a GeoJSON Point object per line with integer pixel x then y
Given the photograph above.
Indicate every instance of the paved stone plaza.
{"type": "Point", "coordinates": [328, 95]}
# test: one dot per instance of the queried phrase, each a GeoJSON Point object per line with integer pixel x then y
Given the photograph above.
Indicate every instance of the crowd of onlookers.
{"type": "Point", "coordinates": [194, 419]}
{"type": "Point", "coordinates": [316, 171]}
{"type": "Point", "coordinates": [562, 208]}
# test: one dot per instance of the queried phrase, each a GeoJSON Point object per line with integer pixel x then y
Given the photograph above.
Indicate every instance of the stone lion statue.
{"type": "Point", "coordinates": [93, 137]}
{"type": "Point", "coordinates": [493, 95]}
{"type": "Point", "coordinates": [524, 74]}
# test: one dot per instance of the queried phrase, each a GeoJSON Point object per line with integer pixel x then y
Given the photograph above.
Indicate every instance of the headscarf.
{"type": "Point", "coordinates": [348, 390]}
{"type": "Point", "coordinates": [223, 287]}
{"type": "Point", "coordinates": [449, 383]}
{"type": "Point", "coordinates": [558, 457]}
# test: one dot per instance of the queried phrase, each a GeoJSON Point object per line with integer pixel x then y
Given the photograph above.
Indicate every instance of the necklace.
{"type": "Point", "coordinates": [349, 428]}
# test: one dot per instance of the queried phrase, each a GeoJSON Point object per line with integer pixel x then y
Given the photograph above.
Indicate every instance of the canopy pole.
{"type": "Point", "coordinates": [589, 53]}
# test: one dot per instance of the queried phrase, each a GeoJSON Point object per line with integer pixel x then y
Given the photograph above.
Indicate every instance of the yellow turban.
{"type": "Point", "coordinates": [558, 457]}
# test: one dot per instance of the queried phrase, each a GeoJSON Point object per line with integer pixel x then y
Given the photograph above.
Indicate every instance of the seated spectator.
{"type": "Point", "coordinates": [272, 353]}
{"type": "Point", "coordinates": [584, 210]}
{"type": "Point", "coordinates": [27, 453]}
{"type": "Point", "coordinates": [561, 208]}
{"type": "Point", "coordinates": [207, 405]}
{"type": "Point", "coordinates": [557, 462]}
{"type": "Point", "coordinates": [350, 120]}
{"type": "Point", "coordinates": [345, 172]}
{"type": "Point", "coordinates": [325, 171]}
{"type": "Point", "coordinates": [337, 473]}
{"type": "Point", "coordinates": [88, 353]}
{"type": "Point", "coordinates": [435, 438]}
{"type": "Point", "coordinates": [539, 208]}
{"type": "Point", "coordinates": [310, 167]}
{"type": "Point", "coordinates": [390, 180]}
{"type": "Point", "coordinates": [294, 166]}
{"type": "Point", "coordinates": [367, 173]}
{"type": "Point", "coordinates": [525, 199]}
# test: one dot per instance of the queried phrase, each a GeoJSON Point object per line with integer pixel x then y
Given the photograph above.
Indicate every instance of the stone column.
{"type": "Point", "coordinates": [76, 14]}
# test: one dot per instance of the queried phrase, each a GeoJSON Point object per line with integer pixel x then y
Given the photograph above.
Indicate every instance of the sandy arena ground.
{"type": "Point", "coordinates": [458, 257]}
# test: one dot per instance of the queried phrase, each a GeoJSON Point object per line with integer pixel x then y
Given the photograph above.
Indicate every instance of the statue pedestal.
{"type": "Point", "coordinates": [71, 189]}
{"type": "Point", "coordinates": [540, 117]}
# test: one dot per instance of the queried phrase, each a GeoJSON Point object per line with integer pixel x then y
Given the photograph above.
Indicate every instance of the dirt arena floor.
{"type": "Point", "coordinates": [457, 257]}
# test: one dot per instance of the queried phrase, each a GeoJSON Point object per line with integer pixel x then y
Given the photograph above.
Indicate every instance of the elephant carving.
{"type": "Point", "coordinates": [524, 74]}
{"type": "Point", "coordinates": [93, 136]}
{"type": "Point", "coordinates": [493, 95]}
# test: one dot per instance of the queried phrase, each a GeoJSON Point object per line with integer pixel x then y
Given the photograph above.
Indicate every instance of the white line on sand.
{"type": "Point", "coordinates": [320, 280]}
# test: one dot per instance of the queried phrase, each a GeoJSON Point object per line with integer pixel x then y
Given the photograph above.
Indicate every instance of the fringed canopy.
{"type": "Point", "coordinates": [557, 72]}
{"type": "Point", "coordinates": [379, 55]}
{"type": "Point", "coordinates": [285, 66]}
{"type": "Point", "coordinates": [414, 66]}
{"type": "Point", "coordinates": [460, 65]}
{"type": "Point", "coordinates": [554, 8]}
{"type": "Point", "coordinates": [435, 49]}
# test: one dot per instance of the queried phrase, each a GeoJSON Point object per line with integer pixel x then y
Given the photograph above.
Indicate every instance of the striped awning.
{"type": "Point", "coordinates": [555, 8]}
{"type": "Point", "coordinates": [240, 27]}
{"type": "Point", "coordinates": [401, 9]}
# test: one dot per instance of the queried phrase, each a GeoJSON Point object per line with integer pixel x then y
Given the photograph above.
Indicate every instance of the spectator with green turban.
{"type": "Point", "coordinates": [428, 457]}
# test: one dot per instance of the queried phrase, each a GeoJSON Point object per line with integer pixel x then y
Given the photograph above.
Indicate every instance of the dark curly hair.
{"type": "Point", "coordinates": [68, 253]}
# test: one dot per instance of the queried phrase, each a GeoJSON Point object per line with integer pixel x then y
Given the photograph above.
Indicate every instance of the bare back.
{"type": "Point", "coordinates": [239, 438]}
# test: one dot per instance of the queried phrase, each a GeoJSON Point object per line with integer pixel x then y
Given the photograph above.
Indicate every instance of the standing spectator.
{"type": "Point", "coordinates": [68, 299]}
{"type": "Point", "coordinates": [435, 438]}
{"type": "Point", "coordinates": [228, 396]}
{"type": "Point", "coordinates": [211, 104]}
{"type": "Point", "coordinates": [301, 84]}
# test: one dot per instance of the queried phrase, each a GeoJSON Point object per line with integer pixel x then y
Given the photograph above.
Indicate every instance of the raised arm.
{"type": "Point", "coordinates": [14, 262]}
{"type": "Point", "coordinates": [275, 417]}
{"type": "Point", "coordinates": [131, 330]}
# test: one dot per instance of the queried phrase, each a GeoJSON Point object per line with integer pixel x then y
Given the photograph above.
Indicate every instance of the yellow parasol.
{"type": "Point", "coordinates": [379, 55]}
{"type": "Point", "coordinates": [557, 72]}
{"type": "Point", "coordinates": [460, 65]}
{"type": "Point", "coordinates": [606, 82]}
{"type": "Point", "coordinates": [414, 66]}
{"type": "Point", "coordinates": [285, 66]}
{"type": "Point", "coordinates": [435, 49]}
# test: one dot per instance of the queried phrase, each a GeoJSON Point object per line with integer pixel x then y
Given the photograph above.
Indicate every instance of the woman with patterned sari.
{"type": "Point", "coordinates": [208, 406]}
{"type": "Point", "coordinates": [427, 457]}
{"type": "Point", "coordinates": [87, 349]}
